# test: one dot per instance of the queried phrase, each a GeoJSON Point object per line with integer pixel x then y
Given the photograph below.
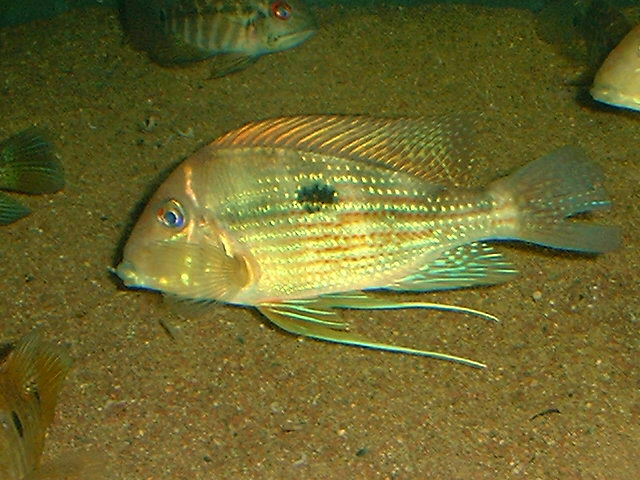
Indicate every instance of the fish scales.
{"type": "Point", "coordinates": [381, 219]}
{"type": "Point", "coordinates": [299, 216]}
{"type": "Point", "coordinates": [213, 25]}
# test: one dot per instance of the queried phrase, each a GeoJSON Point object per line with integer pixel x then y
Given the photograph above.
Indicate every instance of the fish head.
{"type": "Point", "coordinates": [617, 82]}
{"type": "Point", "coordinates": [178, 247]}
{"type": "Point", "coordinates": [289, 23]}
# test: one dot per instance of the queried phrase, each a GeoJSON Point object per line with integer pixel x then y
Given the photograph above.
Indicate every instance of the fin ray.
{"type": "Point", "coordinates": [435, 149]}
{"type": "Point", "coordinates": [549, 190]}
{"type": "Point", "coordinates": [225, 63]}
{"type": "Point", "coordinates": [312, 318]}
{"type": "Point", "coordinates": [11, 210]}
{"type": "Point", "coordinates": [205, 272]}
{"type": "Point", "coordinates": [468, 265]}
{"type": "Point", "coordinates": [296, 327]}
{"type": "Point", "coordinates": [28, 165]}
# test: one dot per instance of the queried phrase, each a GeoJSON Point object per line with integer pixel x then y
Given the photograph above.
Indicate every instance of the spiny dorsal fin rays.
{"type": "Point", "coordinates": [435, 149]}
{"type": "Point", "coordinates": [319, 332]}
{"type": "Point", "coordinates": [465, 266]}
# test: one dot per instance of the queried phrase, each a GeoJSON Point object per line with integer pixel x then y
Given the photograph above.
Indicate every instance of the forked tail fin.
{"type": "Point", "coordinates": [547, 191]}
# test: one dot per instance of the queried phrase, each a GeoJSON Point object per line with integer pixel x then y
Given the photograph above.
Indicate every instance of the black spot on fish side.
{"type": "Point", "coordinates": [316, 194]}
{"type": "Point", "coordinates": [17, 423]}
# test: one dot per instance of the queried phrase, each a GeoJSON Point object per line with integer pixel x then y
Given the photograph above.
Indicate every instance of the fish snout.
{"type": "Point", "coordinates": [127, 273]}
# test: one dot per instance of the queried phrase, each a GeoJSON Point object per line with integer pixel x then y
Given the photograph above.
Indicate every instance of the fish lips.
{"type": "Point", "coordinates": [127, 272]}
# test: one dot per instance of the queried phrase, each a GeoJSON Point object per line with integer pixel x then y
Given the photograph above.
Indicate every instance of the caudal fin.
{"type": "Point", "coordinates": [28, 165]}
{"type": "Point", "coordinates": [11, 210]}
{"type": "Point", "coordinates": [548, 191]}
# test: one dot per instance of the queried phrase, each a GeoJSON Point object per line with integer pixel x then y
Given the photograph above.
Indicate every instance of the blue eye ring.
{"type": "Point", "coordinates": [281, 10]}
{"type": "Point", "coordinates": [171, 214]}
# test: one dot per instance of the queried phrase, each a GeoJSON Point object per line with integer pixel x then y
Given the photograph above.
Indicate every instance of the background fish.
{"type": "Point", "coordinates": [30, 380]}
{"type": "Point", "coordinates": [618, 79]}
{"type": "Point", "coordinates": [297, 216]}
{"type": "Point", "coordinates": [27, 165]}
{"type": "Point", "coordinates": [236, 32]}
{"type": "Point", "coordinates": [31, 375]}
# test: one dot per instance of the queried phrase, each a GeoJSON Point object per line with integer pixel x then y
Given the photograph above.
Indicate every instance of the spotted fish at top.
{"type": "Point", "coordinates": [299, 216]}
{"type": "Point", "coordinates": [234, 32]}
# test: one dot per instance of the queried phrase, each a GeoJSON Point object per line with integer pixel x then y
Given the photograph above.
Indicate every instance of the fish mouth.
{"type": "Point", "coordinates": [126, 271]}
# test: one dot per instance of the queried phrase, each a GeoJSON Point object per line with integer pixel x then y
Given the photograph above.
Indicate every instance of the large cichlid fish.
{"type": "Point", "coordinates": [233, 33]}
{"type": "Point", "coordinates": [32, 372]}
{"type": "Point", "coordinates": [299, 216]}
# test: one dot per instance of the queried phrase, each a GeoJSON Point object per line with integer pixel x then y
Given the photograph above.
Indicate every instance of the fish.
{"type": "Point", "coordinates": [32, 373]}
{"type": "Point", "coordinates": [617, 82]}
{"type": "Point", "coordinates": [302, 216]}
{"type": "Point", "coordinates": [27, 165]}
{"type": "Point", "coordinates": [232, 33]}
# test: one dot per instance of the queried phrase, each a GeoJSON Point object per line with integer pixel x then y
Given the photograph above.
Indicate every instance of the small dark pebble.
{"type": "Point", "coordinates": [362, 452]}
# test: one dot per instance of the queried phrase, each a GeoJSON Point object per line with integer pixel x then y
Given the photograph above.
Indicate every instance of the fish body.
{"type": "Point", "coordinates": [27, 165]}
{"type": "Point", "coordinates": [299, 216]}
{"type": "Point", "coordinates": [235, 32]}
{"type": "Point", "coordinates": [617, 82]}
{"type": "Point", "coordinates": [31, 376]}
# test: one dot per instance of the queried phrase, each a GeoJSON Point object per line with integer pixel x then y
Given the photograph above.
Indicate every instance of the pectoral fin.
{"type": "Point", "coordinates": [226, 63]}
{"type": "Point", "coordinates": [316, 318]}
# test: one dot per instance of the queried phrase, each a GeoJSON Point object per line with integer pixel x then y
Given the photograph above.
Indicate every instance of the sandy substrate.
{"type": "Point", "coordinates": [233, 397]}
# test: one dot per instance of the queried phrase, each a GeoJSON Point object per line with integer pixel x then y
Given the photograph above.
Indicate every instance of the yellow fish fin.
{"type": "Point", "coordinates": [315, 318]}
{"type": "Point", "coordinates": [201, 272]}
{"type": "Point", "coordinates": [465, 266]}
{"type": "Point", "coordinates": [435, 149]}
{"type": "Point", "coordinates": [38, 368]}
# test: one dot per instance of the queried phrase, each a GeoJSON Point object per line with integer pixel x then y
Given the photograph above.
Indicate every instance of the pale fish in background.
{"type": "Point", "coordinates": [298, 216]}
{"type": "Point", "coordinates": [31, 376]}
{"type": "Point", "coordinates": [617, 82]}
{"type": "Point", "coordinates": [234, 32]}
{"type": "Point", "coordinates": [27, 165]}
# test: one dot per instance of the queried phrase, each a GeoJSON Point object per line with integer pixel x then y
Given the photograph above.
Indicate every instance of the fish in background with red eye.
{"type": "Point", "coordinates": [281, 10]}
{"type": "Point", "coordinates": [233, 34]}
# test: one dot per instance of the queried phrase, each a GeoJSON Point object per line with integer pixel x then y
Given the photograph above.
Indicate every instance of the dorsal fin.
{"type": "Point", "coordinates": [436, 149]}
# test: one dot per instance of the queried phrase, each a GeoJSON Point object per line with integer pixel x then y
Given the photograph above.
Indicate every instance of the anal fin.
{"type": "Point", "coordinates": [468, 265]}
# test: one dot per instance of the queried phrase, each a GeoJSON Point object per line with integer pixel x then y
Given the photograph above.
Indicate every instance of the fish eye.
{"type": "Point", "coordinates": [171, 214]}
{"type": "Point", "coordinates": [281, 10]}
